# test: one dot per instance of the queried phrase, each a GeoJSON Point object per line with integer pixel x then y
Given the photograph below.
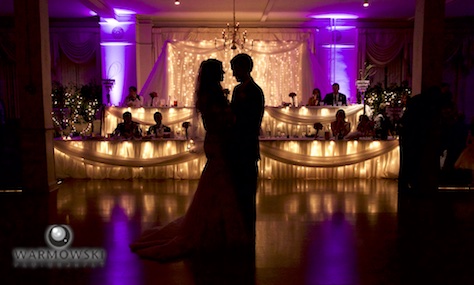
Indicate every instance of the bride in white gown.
{"type": "Point", "coordinates": [213, 221]}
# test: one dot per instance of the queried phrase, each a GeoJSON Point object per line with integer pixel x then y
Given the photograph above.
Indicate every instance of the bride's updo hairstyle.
{"type": "Point", "coordinates": [208, 86]}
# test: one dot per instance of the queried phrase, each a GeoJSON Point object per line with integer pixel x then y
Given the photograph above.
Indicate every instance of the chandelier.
{"type": "Point", "coordinates": [231, 36]}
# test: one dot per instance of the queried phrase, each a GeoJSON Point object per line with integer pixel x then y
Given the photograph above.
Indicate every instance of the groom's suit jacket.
{"type": "Point", "coordinates": [247, 105]}
{"type": "Point", "coordinates": [329, 99]}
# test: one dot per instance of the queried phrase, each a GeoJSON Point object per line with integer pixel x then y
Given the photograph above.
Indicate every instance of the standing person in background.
{"type": "Point", "coordinates": [335, 98]}
{"type": "Point", "coordinates": [315, 99]}
{"type": "Point", "coordinates": [133, 99]}
{"type": "Point", "coordinates": [247, 105]}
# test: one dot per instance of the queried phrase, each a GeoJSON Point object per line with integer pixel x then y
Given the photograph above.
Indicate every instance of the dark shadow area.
{"type": "Point", "coordinates": [10, 159]}
{"type": "Point", "coordinates": [435, 234]}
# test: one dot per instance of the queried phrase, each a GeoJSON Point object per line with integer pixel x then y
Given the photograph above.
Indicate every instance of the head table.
{"type": "Point", "coordinates": [277, 121]}
{"type": "Point", "coordinates": [178, 158]}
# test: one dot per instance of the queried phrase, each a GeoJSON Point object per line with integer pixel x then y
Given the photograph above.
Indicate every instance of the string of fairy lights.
{"type": "Point", "coordinates": [277, 68]}
{"type": "Point", "coordinates": [391, 98]}
{"type": "Point", "coordinates": [71, 108]}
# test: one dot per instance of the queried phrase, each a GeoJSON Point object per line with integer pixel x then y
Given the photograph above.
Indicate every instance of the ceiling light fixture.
{"type": "Point", "coordinates": [176, 2]}
{"type": "Point", "coordinates": [366, 3]}
{"type": "Point", "coordinates": [231, 35]}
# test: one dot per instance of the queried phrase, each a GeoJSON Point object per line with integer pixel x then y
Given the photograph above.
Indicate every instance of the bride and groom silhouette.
{"type": "Point", "coordinates": [222, 213]}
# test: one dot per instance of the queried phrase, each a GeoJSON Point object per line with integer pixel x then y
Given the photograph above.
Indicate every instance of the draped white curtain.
{"type": "Point", "coordinates": [75, 55]}
{"type": "Point", "coordinates": [281, 58]}
{"type": "Point", "coordinates": [389, 50]}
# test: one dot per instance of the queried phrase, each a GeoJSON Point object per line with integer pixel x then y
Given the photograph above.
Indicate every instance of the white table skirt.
{"type": "Point", "coordinates": [177, 159]}
{"type": "Point", "coordinates": [276, 120]}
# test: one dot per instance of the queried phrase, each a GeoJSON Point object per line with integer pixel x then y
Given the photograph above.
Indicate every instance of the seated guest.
{"type": "Point", "coordinates": [365, 128]}
{"type": "Point", "coordinates": [158, 129]}
{"type": "Point", "coordinates": [154, 100]}
{"type": "Point", "coordinates": [382, 123]}
{"type": "Point", "coordinates": [340, 127]}
{"type": "Point", "coordinates": [315, 99]}
{"type": "Point", "coordinates": [133, 99]}
{"type": "Point", "coordinates": [128, 129]}
{"type": "Point", "coordinates": [335, 98]}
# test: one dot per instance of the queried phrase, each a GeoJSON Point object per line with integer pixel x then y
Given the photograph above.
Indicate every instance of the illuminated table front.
{"type": "Point", "coordinates": [299, 121]}
{"type": "Point", "coordinates": [281, 159]}
{"type": "Point", "coordinates": [276, 120]}
{"type": "Point", "coordinates": [172, 117]}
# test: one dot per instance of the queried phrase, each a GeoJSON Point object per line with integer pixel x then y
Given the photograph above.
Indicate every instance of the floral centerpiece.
{"type": "Point", "coordinates": [317, 126]}
{"type": "Point", "coordinates": [292, 95]}
{"type": "Point", "coordinates": [186, 126]}
{"type": "Point", "coordinates": [391, 96]}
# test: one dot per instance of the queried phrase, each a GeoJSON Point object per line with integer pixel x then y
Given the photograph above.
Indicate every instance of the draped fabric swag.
{"type": "Point", "coordinates": [389, 50]}
{"type": "Point", "coordinates": [288, 121]}
{"type": "Point", "coordinates": [281, 159]}
{"type": "Point", "coordinates": [75, 55]}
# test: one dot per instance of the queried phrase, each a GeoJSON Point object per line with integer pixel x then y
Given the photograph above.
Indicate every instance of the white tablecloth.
{"type": "Point", "coordinates": [276, 120]}
{"type": "Point", "coordinates": [178, 159]}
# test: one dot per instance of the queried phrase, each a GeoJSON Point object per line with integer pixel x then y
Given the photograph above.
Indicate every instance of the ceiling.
{"type": "Point", "coordinates": [259, 12]}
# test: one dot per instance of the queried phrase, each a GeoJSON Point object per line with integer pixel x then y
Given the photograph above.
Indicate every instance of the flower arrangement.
{"type": "Point", "coordinates": [367, 71]}
{"type": "Point", "coordinates": [186, 126]}
{"type": "Point", "coordinates": [390, 97]}
{"type": "Point", "coordinates": [292, 95]}
{"type": "Point", "coordinates": [317, 126]}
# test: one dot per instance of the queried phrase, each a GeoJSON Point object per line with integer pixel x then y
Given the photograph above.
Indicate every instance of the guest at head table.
{"type": "Point", "coordinates": [128, 129]}
{"type": "Point", "coordinates": [335, 98]}
{"type": "Point", "coordinates": [315, 99]}
{"type": "Point", "coordinates": [154, 100]}
{"type": "Point", "coordinates": [382, 123]}
{"type": "Point", "coordinates": [158, 129]}
{"type": "Point", "coordinates": [133, 99]}
{"type": "Point", "coordinates": [340, 127]}
{"type": "Point", "coordinates": [365, 128]}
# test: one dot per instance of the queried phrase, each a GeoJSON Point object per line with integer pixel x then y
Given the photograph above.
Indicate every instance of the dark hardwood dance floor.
{"type": "Point", "coordinates": [308, 233]}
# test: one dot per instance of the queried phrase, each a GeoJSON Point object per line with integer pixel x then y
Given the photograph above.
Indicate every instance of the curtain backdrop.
{"type": "Point", "coordinates": [75, 55]}
{"type": "Point", "coordinates": [390, 51]}
{"type": "Point", "coordinates": [281, 58]}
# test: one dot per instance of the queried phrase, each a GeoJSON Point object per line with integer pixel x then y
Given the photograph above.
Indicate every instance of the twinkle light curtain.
{"type": "Point", "coordinates": [283, 62]}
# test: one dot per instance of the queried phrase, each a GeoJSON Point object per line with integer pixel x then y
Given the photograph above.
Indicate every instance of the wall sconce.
{"type": "Point", "coordinates": [176, 2]}
{"type": "Point", "coordinates": [366, 3]}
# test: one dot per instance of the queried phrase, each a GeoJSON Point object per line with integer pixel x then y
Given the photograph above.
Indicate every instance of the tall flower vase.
{"type": "Point", "coordinates": [292, 95]}
{"type": "Point", "coordinates": [186, 126]}
{"type": "Point", "coordinates": [362, 86]}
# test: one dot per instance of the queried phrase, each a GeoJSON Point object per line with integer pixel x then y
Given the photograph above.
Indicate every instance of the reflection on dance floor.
{"type": "Point", "coordinates": [287, 209]}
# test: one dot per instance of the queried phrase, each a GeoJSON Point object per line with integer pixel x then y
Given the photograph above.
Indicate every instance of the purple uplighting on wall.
{"type": "Point", "coordinates": [118, 57]}
{"type": "Point", "coordinates": [338, 56]}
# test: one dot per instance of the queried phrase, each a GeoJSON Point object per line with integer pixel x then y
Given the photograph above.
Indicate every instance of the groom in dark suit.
{"type": "Point", "coordinates": [335, 98]}
{"type": "Point", "coordinates": [247, 105]}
